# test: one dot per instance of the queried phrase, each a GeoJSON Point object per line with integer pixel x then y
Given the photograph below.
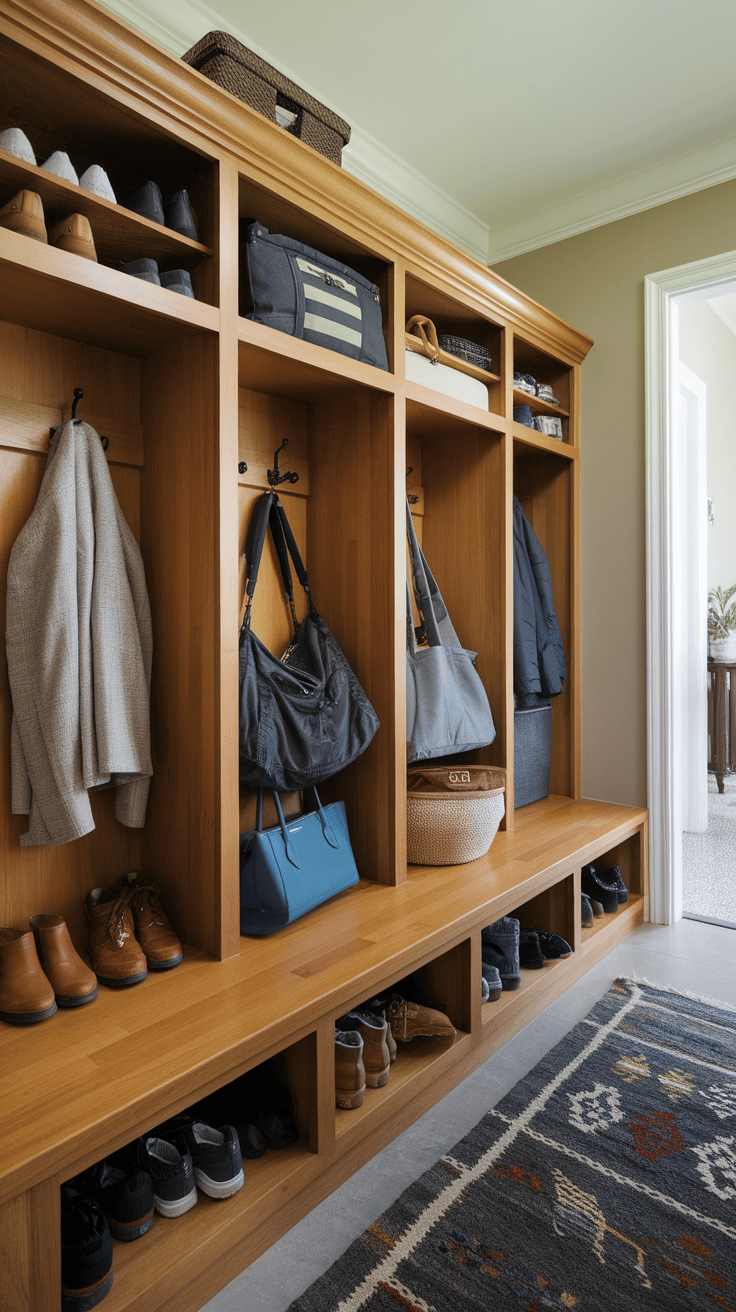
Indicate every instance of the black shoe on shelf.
{"type": "Point", "coordinates": [172, 1173]}
{"type": "Point", "coordinates": [215, 1154]}
{"type": "Point", "coordinates": [530, 953]}
{"type": "Point", "coordinates": [586, 911]}
{"type": "Point", "coordinates": [124, 1193]}
{"type": "Point", "coordinates": [613, 873]}
{"type": "Point", "coordinates": [553, 946]}
{"type": "Point", "coordinates": [86, 1253]}
{"type": "Point", "coordinates": [602, 885]}
{"type": "Point", "coordinates": [147, 201]}
{"type": "Point", "coordinates": [180, 217]}
{"type": "Point", "coordinates": [177, 280]}
{"type": "Point", "coordinates": [146, 269]}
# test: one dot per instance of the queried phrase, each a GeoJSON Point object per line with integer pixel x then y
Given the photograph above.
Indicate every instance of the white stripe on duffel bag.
{"type": "Point", "coordinates": [329, 298]}
{"type": "Point", "coordinates": [325, 274]}
{"type": "Point", "coordinates": [329, 328]}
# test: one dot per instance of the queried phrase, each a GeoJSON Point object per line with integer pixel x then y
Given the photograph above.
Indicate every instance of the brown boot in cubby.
{"type": "Point", "coordinates": [349, 1069]}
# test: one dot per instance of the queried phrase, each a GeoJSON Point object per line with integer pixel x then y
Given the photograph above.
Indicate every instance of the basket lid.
{"type": "Point", "coordinates": [456, 779]}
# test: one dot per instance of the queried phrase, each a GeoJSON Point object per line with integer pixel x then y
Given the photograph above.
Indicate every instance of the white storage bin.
{"type": "Point", "coordinates": [442, 378]}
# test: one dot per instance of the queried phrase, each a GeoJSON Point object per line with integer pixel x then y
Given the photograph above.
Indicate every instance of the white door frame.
{"type": "Point", "coordinates": [662, 291]}
{"type": "Point", "coordinates": [691, 442]}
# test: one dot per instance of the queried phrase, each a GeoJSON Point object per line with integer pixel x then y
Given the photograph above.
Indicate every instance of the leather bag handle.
{"type": "Point", "coordinates": [423, 328]}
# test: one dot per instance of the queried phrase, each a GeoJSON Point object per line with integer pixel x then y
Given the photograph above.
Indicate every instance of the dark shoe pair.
{"type": "Point", "coordinates": [176, 214]}
{"type": "Point", "coordinates": [500, 948]}
{"type": "Point", "coordinates": [491, 986]}
{"type": "Point", "coordinates": [123, 1192]}
{"type": "Point", "coordinates": [211, 1156]}
{"type": "Point", "coordinates": [605, 885]}
{"type": "Point", "coordinates": [539, 945]}
{"type": "Point", "coordinates": [176, 280]}
{"type": "Point", "coordinates": [86, 1252]}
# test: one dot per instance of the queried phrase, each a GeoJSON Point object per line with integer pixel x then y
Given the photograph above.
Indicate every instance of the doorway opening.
{"type": "Point", "coordinates": [683, 307]}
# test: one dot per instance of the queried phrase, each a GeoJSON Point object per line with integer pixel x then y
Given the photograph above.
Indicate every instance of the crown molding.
{"type": "Point", "coordinates": [177, 26]}
{"type": "Point", "coordinates": [656, 185]}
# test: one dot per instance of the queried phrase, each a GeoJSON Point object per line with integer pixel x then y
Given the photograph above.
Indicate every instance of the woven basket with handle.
{"type": "Point", "coordinates": [453, 812]}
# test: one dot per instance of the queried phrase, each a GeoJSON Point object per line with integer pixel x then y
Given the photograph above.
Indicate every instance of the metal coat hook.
{"type": "Point", "coordinates": [412, 498]}
{"type": "Point", "coordinates": [78, 394]}
{"type": "Point", "coordinates": [273, 475]}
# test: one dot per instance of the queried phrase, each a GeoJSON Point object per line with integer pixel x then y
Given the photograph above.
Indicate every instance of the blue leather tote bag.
{"type": "Point", "coordinates": [292, 867]}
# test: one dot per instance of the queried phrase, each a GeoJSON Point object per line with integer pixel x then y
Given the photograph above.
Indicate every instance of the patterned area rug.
{"type": "Point", "coordinates": [605, 1181]}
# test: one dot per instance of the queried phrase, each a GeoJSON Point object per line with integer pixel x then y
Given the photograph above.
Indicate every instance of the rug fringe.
{"type": "Point", "coordinates": [670, 988]}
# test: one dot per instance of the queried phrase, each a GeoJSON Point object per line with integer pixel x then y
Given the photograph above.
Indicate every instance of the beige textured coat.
{"type": "Point", "coordinates": [79, 649]}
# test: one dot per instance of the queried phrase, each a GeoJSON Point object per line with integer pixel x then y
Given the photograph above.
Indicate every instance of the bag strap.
{"type": "Point", "coordinates": [426, 593]}
{"type": "Point", "coordinates": [327, 829]}
{"type": "Point", "coordinates": [254, 541]}
{"type": "Point", "coordinates": [285, 544]}
{"type": "Point", "coordinates": [431, 347]}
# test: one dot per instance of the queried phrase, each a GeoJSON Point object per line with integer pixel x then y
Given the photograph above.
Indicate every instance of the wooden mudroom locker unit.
{"type": "Point", "coordinates": [186, 391]}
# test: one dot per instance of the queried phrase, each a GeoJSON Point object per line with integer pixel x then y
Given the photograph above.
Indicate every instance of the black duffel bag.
{"type": "Point", "coordinates": [304, 717]}
{"type": "Point", "coordinates": [304, 293]}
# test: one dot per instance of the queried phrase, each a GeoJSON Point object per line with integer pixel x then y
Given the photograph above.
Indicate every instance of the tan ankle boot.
{"type": "Point", "coordinates": [24, 213]}
{"type": "Point", "coordinates": [117, 957]}
{"type": "Point", "coordinates": [152, 927]}
{"type": "Point", "coordinates": [72, 981]}
{"type": "Point", "coordinates": [75, 235]}
{"type": "Point", "coordinates": [25, 993]}
{"type": "Point", "coordinates": [349, 1069]}
{"type": "Point", "coordinates": [376, 1056]}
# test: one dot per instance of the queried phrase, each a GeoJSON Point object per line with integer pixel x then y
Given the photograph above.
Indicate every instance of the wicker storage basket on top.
{"type": "Point", "coordinates": [473, 352]}
{"type": "Point", "coordinates": [453, 812]}
{"type": "Point", "coordinates": [236, 69]}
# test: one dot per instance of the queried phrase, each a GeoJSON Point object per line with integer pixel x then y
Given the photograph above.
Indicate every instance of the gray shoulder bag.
{"type": "Point", "coordinates": [447, 709]}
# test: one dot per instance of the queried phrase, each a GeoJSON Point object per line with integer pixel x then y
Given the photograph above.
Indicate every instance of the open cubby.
{"type": "Point", "coordinates": [186, 391]}
{"type": "Point", "coordinates": [452, 315]}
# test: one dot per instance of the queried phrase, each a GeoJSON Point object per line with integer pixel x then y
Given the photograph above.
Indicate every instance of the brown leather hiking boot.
{"type": "Point", "coordinates": [74, 234]}
{"type": "Point", "coordinates": [349, 1069]}
{"type": "Point", "coordinates": [379, 1007]}
{"type": "Point", "coordinates": [409, 1020]}
{"type": "Point", "coordinates": [72, 981]}
{"type": "Point", "coordinates": [117, 959]}
{"type": "Point", "coordinates": [25, 993]}
{"type": "Point", "coordinates": [373, 1031]}
{"type": "Point", "coordinates": [153, 931]}
{"type": "Point", "coordinates": [24, 213]}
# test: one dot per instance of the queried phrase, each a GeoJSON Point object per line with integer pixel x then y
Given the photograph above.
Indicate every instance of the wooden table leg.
{"type": "Point", "coordinates": [720, 762]}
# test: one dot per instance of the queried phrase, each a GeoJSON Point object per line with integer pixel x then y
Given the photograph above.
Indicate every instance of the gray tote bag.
{"type": "Point", "coordinates": [447, 709]}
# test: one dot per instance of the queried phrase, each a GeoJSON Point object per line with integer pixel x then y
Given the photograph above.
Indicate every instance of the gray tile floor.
{"type": "Point", "coordinates": [691, 956]}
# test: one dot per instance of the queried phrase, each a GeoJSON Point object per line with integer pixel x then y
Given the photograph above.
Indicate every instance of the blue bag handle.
{"type": "Point", "coordinates": [289, 846]}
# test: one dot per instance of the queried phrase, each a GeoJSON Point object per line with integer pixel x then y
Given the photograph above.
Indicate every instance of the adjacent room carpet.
{"type": "Point", "coordinates": [709, 859]}
{"type": "Point", "coordinates": [604, 1181]}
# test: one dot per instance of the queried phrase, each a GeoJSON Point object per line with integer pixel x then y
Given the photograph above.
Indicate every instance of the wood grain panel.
{"type": "Point", "coordinates": [180, 543]}
{"type": "Point", "coordinates": [354, 580]}
{"type": "Point", "coordinates": [30, 1272]}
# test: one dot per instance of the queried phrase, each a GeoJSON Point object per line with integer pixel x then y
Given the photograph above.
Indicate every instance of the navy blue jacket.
{"type": "Point", "coordinates": [539, 656]}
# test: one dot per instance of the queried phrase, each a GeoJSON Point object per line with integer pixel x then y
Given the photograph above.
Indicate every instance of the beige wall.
{"type": "Point", "coordinates": [708, 348]}
{"type": "Point", "coordinates": [595, 281]}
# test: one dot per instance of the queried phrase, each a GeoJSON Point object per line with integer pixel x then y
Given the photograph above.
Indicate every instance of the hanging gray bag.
{"type": "Point", "coordinates": [447, 710]}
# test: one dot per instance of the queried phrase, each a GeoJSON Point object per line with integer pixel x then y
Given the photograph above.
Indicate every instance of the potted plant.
{"type": "Point", "coordinates": [722, 624]}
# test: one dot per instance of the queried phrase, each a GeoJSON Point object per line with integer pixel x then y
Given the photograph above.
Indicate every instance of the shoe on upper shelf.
{"type": "Point", "coordinates": [24, 213]}
{"type": "Point", "coordinates": [215, 1153]}
{"type": "Point", "coordinates": [410, 1020]}
{"type": "Point", "coordinates": [376, 1057]}
{"type": "Point", "coordinates": [177, 214]}
{"type": "Point", "coordinates": [525, 383]}
{"type": "Point", "coordinates": [545, 393]}
{"type": "Point", "coordinates": [180, 217]}
{"type": "Point", "coordinates": [15, 142]}
{"type": "Point", "coordinates": [172, 1173]}
{"type": "Point", "coordinates": [73, 982]}
{"type": "Point", "coordinates": [500, 948]}
{"type": "Point", "coordinates": [124, 1193]}
{"type": "Point", "coordinates": [349, 1069]}
{"type": "Point", "coordinates": [86, 1252]}
{"type": "Point", "coordinates": [74, 235]}
{"type": "Point", "coordinates": [523, 415]}
{"type": "Point", "coordinates": [26, 996]}
{"type": "Point", "coordinates": [145, 268]}
{"type": "Point", "coordinates": [96, 182]}
{"type": "Point", "coordinates": [61, 166]}
{"type": "Point", "coordinates": [178, 280]}
{"type": "Point", "coordinates": [601, 884]}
